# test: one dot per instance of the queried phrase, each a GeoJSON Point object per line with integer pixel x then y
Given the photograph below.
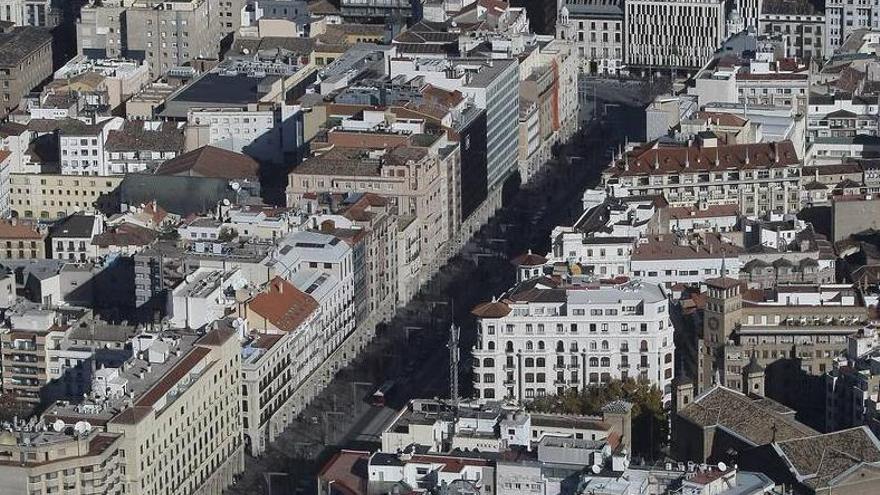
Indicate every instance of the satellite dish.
{"type": "Point", "coordinates": [226, 201]}
{"type": "Point", "coordinates": [58, 425]}
{"type": "Point", "coordinates": [722, 466]}
{"type": "Point", "coordinates": [82, 427]}
{"type": "Point", "coordinates": [596, 469]}
{"type": "Point", "coordinates": [235, 186]}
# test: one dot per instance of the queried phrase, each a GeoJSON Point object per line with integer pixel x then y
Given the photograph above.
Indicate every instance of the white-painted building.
{"type": "Point", "coordinates": [82, 146]}
{"type": "Point", "coordinates": [596, 29]}
{"type": "Point", "coordinates": [684, 259]}
{"type": "Point", "coordinates": [672, 33]}
{"type": "Point", "coordinates": [542, 338]}
{"type": "Point", "coordinates": [262, 134]}
{"type": "Point", "coordinates": [203, 297]}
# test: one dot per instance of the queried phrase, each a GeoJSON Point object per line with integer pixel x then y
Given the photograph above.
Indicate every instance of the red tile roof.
{"type": "Point", "coordinates": [493, 309]}
{"type": "Point", "coordinates": [209, 161]}
{"type": "Point", "coordinates": [674, 160]}
{"type": "Point", "coordinates": [14, 229]}
{"type": "Point", "coordinates": [283, 305]}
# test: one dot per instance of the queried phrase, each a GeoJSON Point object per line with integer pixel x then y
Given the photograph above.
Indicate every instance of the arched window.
{"type": "Point", "coordinates": [540, 345]}
{"type": "Point", "coordinates": [491, 346]}
{"type": "Point", "coordinates": [643, 347]}
{"type": "Point", "coordinates": [488, 363]}
{"type": "Point", "coordinates": [594, 361]}
{"type": "Point", "coordinates": [604, 345]}
{"type": "Point", "coordinates": [560, 346]}
{"type": "Point", "coordinates": [529, 345]}
{"type": "Point", "coordinates": [606, 362]}
{"type": "Point", "coordinates": [668, 358]}
{"type": "Point", "coordinates": [509, 346]}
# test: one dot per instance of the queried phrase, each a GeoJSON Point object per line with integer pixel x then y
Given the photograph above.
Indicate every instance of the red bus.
{"type": "Point", "coordinates": [381, 393]}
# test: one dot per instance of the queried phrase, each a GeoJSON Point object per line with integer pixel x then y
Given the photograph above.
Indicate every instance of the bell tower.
{"type": "Point", "coordinates": [722, 314]}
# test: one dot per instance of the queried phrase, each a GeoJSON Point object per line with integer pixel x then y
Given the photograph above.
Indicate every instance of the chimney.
{"type": "Point", "coordinates": [279, 287]}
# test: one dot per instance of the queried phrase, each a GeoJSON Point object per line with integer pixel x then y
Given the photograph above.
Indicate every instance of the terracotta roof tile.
{"type": "Point", "coordinates": [673, 160]}
{"type": "Point", "coordinates": [283, 305]}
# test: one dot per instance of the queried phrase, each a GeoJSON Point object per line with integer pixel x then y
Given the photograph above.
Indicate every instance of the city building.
{"type": "Point", "coordinates": [661, 34]}
{"type": "Point", "coordinates": [87, 461]}
{"type": "Point", "coordinates": [21, 240]}
{"type": "Point", "coordinates": [795, 332]}
{"type": "Point", "coordinates": [204, 296]}
{"type": "Point", "coordinates": [842, 19]}
{"type": "Point", "coordinates": [851, 386]}
{"type": "Point", "coordinates": [278, 359]}
{"type": "Point", "coordinates": [71, 238]}
{"type": "Point", "coordinates": [595, 27]}
{"type": "Point", "coordinates": [37, 13]}
{"type": "Point", "coordinates": [141, 145]}
{"type": "Point", "coordinates": [569, 346]}
{"type": "Point", "coordinates": [164, 35]}
{"type": "Point", "coordinates": [760, 178]}
{"type": "Point", "coordinates": [26, 62]}
{"type": "Point", "coordinates": [53, 196]}
{"type": "Point", "coordinates": [798, 23]}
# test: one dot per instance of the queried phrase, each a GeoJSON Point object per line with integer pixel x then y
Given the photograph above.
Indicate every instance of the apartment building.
{"type": "Point", "coordinates": [322, 266]}
{"type": "Point", "coordinates": [664, 33]}
{"type": "Point", "coordinates": [851, 386]}
{"type": "Point", "coordinates": [165, 35]}
{"type": "Point", "coordinates": [88, 462]}
{"type": "Point", "coordinates": [71, 238]}
{"type": "Point", "coordinates": [545, 338]}
{"type": "Point", "coordinates": [418, 178]}
{"type": "Point", "coordinates": [52, 196]}
{"type": "Point", "coordinates": [680, 258]}
{"type": "Point", "coordinates": [493, 85]}
{"type": "Point", "coordinates": [595, 27]}
{"type": "Point", "coordinates": [204, 296]}
{"type": "Point", "coordinates": [270, 134]}
{"type": "Point", "coordinates": [141, 145]}
{"type": "Point", "coordinates": [843, 18]}
{"type": "Point", "coordinates": [279, 357]}
{"type": "Point", "coordinates": [25, 62]}
{"type": "Point", "coordinates": [83, 146]}
{"type": "Point", "coordinates": [761, 82]}
{"type": "Point", "coordinates": [37, 13]}
{"type": "Point", "coordinates": [798, 24]}
{"type": "Point", "coordinates": [21, 240]}
{"type": "Point", "coordinates": [759, 178]}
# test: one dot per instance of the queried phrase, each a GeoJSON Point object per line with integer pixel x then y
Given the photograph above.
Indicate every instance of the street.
{"type": "Point", "coordinates": [412, 349]}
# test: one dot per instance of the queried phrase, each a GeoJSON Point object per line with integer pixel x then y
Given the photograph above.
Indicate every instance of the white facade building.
{"type": "Point", "coordinates": [203, 297]}
{"type": "Point", "coordinates": [544, 339]}
{"type": "Point", "coordinates": [663, 33]}
{"type": "Point", "coordinates": [83, 147]}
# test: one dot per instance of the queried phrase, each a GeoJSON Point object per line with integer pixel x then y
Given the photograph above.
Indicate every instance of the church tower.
{"type": "Point", "coordinates": [720, 318]}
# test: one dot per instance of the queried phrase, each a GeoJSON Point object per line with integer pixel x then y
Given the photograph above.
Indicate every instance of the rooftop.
{"type": "Point", "coordinates": [659, 160]}
{"type": "Point", "coordinates": [283, 305]}
{"type": "Point", "coordinates": [19, 42]}
{"type": "Point", "coordinates": [743, 417]}
{"type": "Point", "coordinates": [210, 161]}
{"type": "Point", "coordinates": [819, 460]}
